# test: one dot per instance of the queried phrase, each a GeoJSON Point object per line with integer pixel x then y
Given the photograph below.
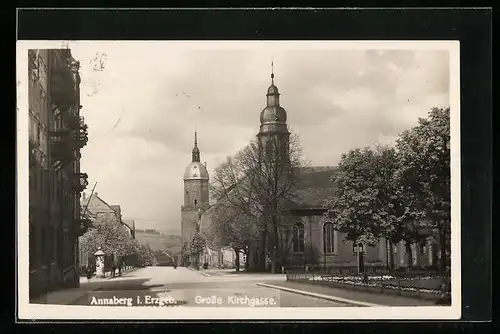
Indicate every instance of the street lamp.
{"type": "Point", "coordinates": [359, 249]}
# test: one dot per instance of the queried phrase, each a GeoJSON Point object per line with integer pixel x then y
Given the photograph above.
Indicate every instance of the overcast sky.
{"type": "Point", "coordinates": [143, 106]}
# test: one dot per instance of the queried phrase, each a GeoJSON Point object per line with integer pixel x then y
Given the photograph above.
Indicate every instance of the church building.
{"type": "Point", "coordinates": [308, 238]}
{"type": "Point", "coordinates": [196, 197]}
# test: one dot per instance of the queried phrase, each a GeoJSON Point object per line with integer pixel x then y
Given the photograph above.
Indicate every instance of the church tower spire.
{"type": "Point", "coordinates": [196, 150]}
{"type": "Point", "coordinates": [272, 72]}
{"type": "Point", "coordinates": [273, 95]}
{"type": "Point", "coordinates": [273, 127]}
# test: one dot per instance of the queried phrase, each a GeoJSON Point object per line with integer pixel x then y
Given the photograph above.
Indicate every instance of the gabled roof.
{"type": "Point", "coordinates": [313, 187]}
{"type": "Point", "coordinates": [116, 208]}
{"type": "Point", "coordinates": [84, 203]}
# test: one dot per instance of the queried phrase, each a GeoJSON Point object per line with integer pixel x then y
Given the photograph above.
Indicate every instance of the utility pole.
{"type": "Point", "coordinates": [85, 211]}
{"type": "Point", "coordinates": [88, 202]}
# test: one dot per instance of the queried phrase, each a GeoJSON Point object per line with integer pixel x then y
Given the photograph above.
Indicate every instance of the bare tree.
{"type": "Point", "coordinates": [259, 182]}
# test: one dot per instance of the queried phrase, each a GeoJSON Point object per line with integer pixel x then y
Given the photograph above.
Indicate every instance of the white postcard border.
{"type": "Point", "coordinates": [50, 312]}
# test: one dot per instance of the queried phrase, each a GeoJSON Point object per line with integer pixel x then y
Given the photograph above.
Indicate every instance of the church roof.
{"type": "Point", "coordinates": [272, 90]}
{"type": "Point", "coordinates": [196, 171]}
{"type": "Point", "coordinates": [313, 187]}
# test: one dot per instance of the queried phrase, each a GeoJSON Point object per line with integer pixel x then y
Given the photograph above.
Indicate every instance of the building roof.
{"type": "Point", "coordinates": [196, 171]}
{"type": "Point", "coordinates": [314, 187]}
{"type": "Point", "coordinates": [116, 208]}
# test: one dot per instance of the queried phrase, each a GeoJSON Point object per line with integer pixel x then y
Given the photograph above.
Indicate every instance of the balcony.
{"type": "Point", "coordinates": [84, 225]}
{"type": "Point", "coordinates": [61, 146]}
{"type": "Point", "coordinates": [71, 120]}
{"type": "Point", "coordinates": [82, 136]}
{"type": "Point", "coordinates": [80, 182]}
{"type": "Point", "coordinates": [63, 87]}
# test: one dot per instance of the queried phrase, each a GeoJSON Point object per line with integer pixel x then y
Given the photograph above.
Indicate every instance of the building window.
{"type": "Point", "coordinates": [328, 238]}
{"type": "Point", "coordinates": [43, 242]}
{"type": "Point", "coordinates": [195, 202]}
{"type": "Point", "coordinates": [38, 133]}
{"type": "Point", "coordinates": [34, 72]}
{"type": "Point", "coordinates": [32, 243]}
{"type": "Point", "coordinates": [50, 244]}
{"type": "Point", "coordinates": [298, 238]}
{"type": "Point", "coordinates": [55, 242]}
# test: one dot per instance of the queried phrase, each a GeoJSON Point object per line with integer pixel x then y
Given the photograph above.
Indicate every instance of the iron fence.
{"type": "Point", "coordinates": [420, 284]}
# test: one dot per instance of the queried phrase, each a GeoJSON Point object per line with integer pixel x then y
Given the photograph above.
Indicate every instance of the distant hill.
{"type": "Point", "coordinates": [171, 243]}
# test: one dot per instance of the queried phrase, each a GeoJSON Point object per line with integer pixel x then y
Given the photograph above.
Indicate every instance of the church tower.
{"type": "Point", "coordinates": [196, 198]}
{"type": "Point", "coordinates": [273, 135]}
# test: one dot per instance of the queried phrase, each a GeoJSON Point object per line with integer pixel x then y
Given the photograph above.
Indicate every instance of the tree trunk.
{"type": "Point", "coordinates": [387, 255]}
{"type": "Point", "coordinates": [361, 263]}
{"type": "Point", "coordinates": [262, 250]}
{"type": "Point", "coordinates": [247, 262]}
{"type": "Point", "coordinates": [275, 249]}
{"type": "Point", "coordinates": [409, 256]}
{"type": "Point", "coordinates": [391, 255]}
{"type": "Point", "coordinates": [443, 248]}
{"type": "Point", "coordinates": [237, 259]}
{"type": "Point", "coordinates": [418, 256]}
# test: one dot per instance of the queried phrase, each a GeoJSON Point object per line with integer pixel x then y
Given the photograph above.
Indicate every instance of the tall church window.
{"type": "Point", "coordinates": [298, 238]}
{"type": "Point", "coordinates": [328, 238]}
{"type": "Point", "coordinates": [195, 202]}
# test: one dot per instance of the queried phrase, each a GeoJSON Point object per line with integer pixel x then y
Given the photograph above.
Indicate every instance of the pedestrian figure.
{"type": "Point", "coordinates": [113, 270]}
{"type": "Point", "coordinates": [89, 271]}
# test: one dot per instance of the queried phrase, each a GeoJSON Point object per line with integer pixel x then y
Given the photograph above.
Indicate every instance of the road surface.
{"type": "Point", "coordinates": [181, 287]}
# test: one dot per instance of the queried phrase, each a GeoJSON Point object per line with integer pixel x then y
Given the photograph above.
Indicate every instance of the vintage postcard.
{"type": "Point", "coordinates": [238, 180]}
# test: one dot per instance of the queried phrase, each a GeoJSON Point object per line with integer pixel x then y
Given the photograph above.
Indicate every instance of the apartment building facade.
{"type": "Point", "coordinates": [57, 133]}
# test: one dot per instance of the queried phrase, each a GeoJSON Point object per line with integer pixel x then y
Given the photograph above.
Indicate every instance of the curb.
{"type": "Point", "coordinates": [320, 296]}
{"type": "Point", "coordinates": [97, 288]}
{"type": "Point", "coordinates": [200, 272]}
{"type": "Point", "coordinates": [124, 273]}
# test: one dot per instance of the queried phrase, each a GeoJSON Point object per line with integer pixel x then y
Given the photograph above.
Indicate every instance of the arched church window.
{"type": "Point", "coordinates": [328, 238]}
{"type": "Point", "coordinates": [298, 238]}
{"type": "Point", "coordinates": [195, 202]}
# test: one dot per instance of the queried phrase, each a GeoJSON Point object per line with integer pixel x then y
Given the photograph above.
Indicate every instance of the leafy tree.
{"type": "Point", "coordinates": [352, 208]}
{"type": "Point", "coordinates": [258, 182]}
{"type": "Point", "coordinates": [111, 236]}
{"type": "Point", "coordinates": [196, 247]}
{"type": "Point", "coordinates": [424, 174]}
{"type": "Point", "coordinates": [230, 227]}
{"type": "Point", "coordinates": [146, 255]}
{"type": "Point", "coordinates": [366, 204]}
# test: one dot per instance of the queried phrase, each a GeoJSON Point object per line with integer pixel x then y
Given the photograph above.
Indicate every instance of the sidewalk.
{"type": "Point", "coordinates": [357, 296]}
{"type": "Point", "coordinates": [67, 296]}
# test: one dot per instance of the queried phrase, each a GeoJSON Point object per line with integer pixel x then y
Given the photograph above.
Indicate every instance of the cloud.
{"type": "Point", "coordinates": [143, 108]}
